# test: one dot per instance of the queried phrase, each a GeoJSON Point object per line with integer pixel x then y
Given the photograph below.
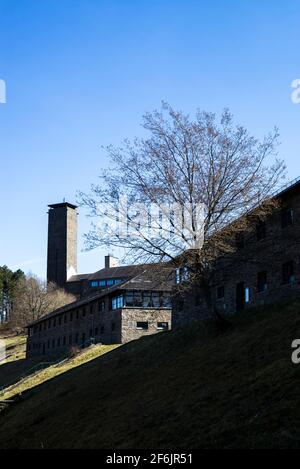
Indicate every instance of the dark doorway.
{"type": "Point", "coordinates": [240, 296]}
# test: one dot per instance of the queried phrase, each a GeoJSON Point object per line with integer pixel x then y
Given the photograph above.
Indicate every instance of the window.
{"type": "Point", "coordinates": [91, 333]}
{"type": "Point", "coordinates": [104, 283]}
{"type": "Point", "coordinates": [134, 298]}
{"type": "Point", "coordinates": [147, 299]}
{"type": "Point", "coordinates": [247, 295]}
{"type": "Point", "coordinates": [142, 325]}
{"type": "Point", "coordinates": [287, 217]}
{"type": "Point", "coordinates": [65, 318]}
{"type": "Point", "coordinates": [49, 323]}
{"type": "Point", "coordinates": [240, 240]}
{"type": "Point", "coordinates": [91, 309]}
{"type": "Point", "coordinates": [53, 343]}
{"type": "Point", "coordinates": [59, 320]}
{"type": "Point", "coordinates": [64, 340]}
{"type": "Point", "coordinates": [71, 316]}
{"type": "Point", "coordinates": [58, 342]}
{"type": "Point", "coordinates": [262, 281]}
{"type": "Point", "coordinates": [101, 305]}
{"type": "Point", "coordinates": [113, 326]}
{"type": "Point", "coordinates": [182, 275]}
{"type": "Point", "coordinates": [260, 231]}
{"type": "Point", "coordinates": [77, 314]}
{"type": "Point", "coordinates": [83, 312]}
{"type": "Point", "coordinates": [70, 339]}
{"type": "Point", "coordinates": [288, 276]}
{"type": "Point", "coordinates": [197, 300]}
{"type": "Point", "coordinates": [220, 292]}
{"type": "Point", "coordinates": [83, 339]}
{"type": "Point", "coordinates": [76, 338]}
{"type": "Point", "coordinates": [102, 330]}
{"type": "Point", "coordinates": [48, 344]}
{"type": "Point", "coordinates": [54, 322]}
{"type": "Point", "coordinates": [117, 302]}
{"type": "Point", "coordinates": [96, 330]}
{"type": "Point", "coordinates": [45, 325]}
{"type": "Point", "coordinates": [163, 325]}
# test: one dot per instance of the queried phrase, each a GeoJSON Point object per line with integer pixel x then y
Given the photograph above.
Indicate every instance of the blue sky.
{"type": "Point", "coordinates": [80, 74]}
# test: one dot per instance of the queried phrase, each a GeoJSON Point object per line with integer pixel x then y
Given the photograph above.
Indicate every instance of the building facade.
{"type": "Point", "coordinates": [117, 312]}
{"type": "Point", "coordinates": [264, 269]}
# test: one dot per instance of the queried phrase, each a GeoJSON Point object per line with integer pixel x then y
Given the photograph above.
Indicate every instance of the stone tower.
{"type": "Point", "coordinates": [62, 243]}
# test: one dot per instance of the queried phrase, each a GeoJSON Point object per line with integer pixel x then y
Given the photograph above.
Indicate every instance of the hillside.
{"type": "Point", "coordinates": [192, 388]}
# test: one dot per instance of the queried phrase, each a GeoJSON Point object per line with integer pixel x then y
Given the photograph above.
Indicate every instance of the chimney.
{"type": "Point", "coordinates": [111, 261]}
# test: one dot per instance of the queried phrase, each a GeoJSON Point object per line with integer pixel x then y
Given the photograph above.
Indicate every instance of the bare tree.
{"type": "Point", "coordinates": [34, 299]}
{"type": "Point", "coordinates": [184, 191]}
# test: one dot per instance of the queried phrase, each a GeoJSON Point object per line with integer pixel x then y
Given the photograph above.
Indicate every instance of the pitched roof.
{"type": "Point", "coordinates": [153, 277]}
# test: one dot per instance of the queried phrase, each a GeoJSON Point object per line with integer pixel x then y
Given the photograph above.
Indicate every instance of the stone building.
{"type": "Point", "coordinates": [114, 305]}
{"type": "Point", "coordinates": [265, 267]}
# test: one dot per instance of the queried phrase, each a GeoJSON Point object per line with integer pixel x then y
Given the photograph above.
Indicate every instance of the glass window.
{"type": "Point", "coordinates": [247, 295]}
{"type": "Point", "coordinates": [240, 240]}
{"type": "Point", "coordinates": [260, 231]}
{"type": "Point", "coordinates": [110, 282]}
{"type": "Point", "coordinates": [94, 284]}
{"type": "Point", "coordinates": [117, 302]}
{"type": "Point", "coordinates": [288, 272]}
{"type": "Point", "coordinates": [142, 325]}
{"type": "Point", "coordinates": [163, 325]}
{"type": "Point", "coordinates": [287, 217]}
{"type": "Point", "coordinates": [262, 281]}
{"type": "Point", "coordinates": [102, 283]}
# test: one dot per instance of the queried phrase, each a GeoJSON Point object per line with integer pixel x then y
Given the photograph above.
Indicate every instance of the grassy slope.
{"type": "Point", "coordinates": [15, 347]}
{"type": "Point", "coordinates": [182, 389]}
{"type": "Point", "coordinates": [38, 377]}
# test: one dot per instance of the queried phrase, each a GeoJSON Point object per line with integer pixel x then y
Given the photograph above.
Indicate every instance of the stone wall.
{"type": "Point", "coordinates": [92, 323]}
{"type": "Point", "coordinates": [131, 316]}
{"type": "Point", "coordinates": [280, 245]}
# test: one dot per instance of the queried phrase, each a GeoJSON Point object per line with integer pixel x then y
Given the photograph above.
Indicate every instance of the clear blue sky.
{"type": "Point", "coordinates": [80, 74]}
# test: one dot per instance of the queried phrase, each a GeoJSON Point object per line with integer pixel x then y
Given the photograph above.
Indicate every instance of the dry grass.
{"type": "Point", "coordinates": [192, 388]}
{"type": "Point", "coordinates": [15, 348]}
{"type": "Point", "coordinates": [39, 377]}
